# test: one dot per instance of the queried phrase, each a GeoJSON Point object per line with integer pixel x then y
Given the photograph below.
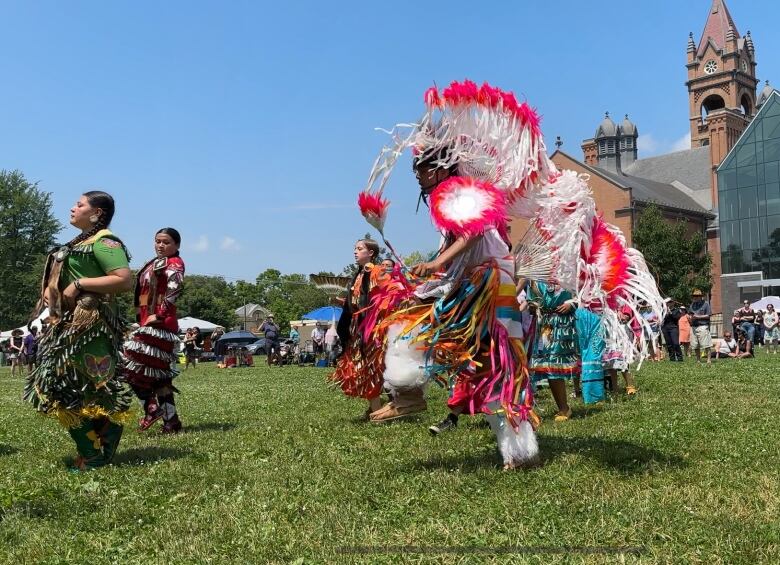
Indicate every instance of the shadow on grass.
{"type": "Point", "coordinates": [210, 427]}
{"type": "Point", "coordinates": [621, 456]}
{"type": "Point", "coordinates": [143, 455]}
{"type": "Point", "coordinates": [7, 450]}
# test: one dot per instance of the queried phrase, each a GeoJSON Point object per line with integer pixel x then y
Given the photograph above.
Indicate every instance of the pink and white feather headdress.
{"type": "Point", "coordinates": [492, 140]}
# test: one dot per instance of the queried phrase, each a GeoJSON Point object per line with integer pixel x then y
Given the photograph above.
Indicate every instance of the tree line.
{"type": "Point", "coordinates": [28, 231]}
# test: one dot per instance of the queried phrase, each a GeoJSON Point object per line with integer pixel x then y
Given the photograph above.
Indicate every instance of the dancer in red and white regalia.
{"type": "Point", "coordinates": [149, 353]}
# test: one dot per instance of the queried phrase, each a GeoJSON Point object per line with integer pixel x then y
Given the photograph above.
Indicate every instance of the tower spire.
{"type": "Point", "coordinates": [716, 28]}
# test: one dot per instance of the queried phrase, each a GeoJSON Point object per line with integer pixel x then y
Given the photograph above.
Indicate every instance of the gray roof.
{"type": "Point", "coordinates": [766, 92]}
{"type": "Point", "coordinates": [691, 167]}
{"type": "Point", "coordinates": [250, 310]}
{"type": "Point", "coordinates": [650, 191]}
{"type": "Point", "coordinates": [663, 194]}
{"type": "Point", "coordinates": [628, 127]}
{"type": "Point", "coordinates": [607, 128]}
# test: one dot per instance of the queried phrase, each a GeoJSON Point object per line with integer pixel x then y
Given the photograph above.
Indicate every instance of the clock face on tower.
{"type": "Point", "coordinates": [743, 65]}
{"type": "Point", "coordinates": [710, 67]}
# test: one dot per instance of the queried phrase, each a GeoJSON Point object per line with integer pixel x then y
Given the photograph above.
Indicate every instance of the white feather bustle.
{"type": "Point", "coordinates": [404, 361]}
{"type": "Point", "coordinates": [517, 446]}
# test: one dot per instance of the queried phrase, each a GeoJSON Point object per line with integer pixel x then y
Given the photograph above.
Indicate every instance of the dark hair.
{"type": "Point", "coordinates": [372, 246]}
{"type": "Point", "coordinates": [104, 202]}
{"type": "Point", "coordinates": [174, 233]}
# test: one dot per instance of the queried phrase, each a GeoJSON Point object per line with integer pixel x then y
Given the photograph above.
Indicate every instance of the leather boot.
{"type": "Point", "coordinates": [405, 403]}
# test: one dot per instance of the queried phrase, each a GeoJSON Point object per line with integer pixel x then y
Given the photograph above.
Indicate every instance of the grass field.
{"type": "Point", "coordinates": [276, 467]}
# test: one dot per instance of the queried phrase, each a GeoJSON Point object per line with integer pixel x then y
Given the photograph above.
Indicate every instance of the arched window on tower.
{"type": "Point", "coordinates": [602, 147]}
{"type": "Point", "coordinates": [745, 105]}
{"type": "Point", "coordinates": [711, 103]}
{"type": "Point", "coordinates": [611, 146]}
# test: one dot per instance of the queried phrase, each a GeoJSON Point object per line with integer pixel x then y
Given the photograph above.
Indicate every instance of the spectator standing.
{"type": "Point", "coordinates": [318, 339]}
{"type": "Point", "coordinates": [218, 332]}
{"type": "Point", "coordinates": [684, 325]}
{"type": "Point", "coordinates": [653, 337]}
{"type": "Point", "coordinates": [747, 318]}
{"type": "Point", "coordinates": [701, 340]}
{"type": "Point", "coordinates": [189, 348]}
{"type": "Point", "coordinates": [759, 324]}
{"type": "Point", "coordinates": [671, 330]}
{"type": "Point", "coordinates": [16, 351]}
{"type": "Point", "coordinates": [271, 332]}
{"type": "Point", "coordinates": [771, 325]}
{"type": "Point", "coordinates": [332, 342]}
{"type": "Point", "coordinates": [30, 347]}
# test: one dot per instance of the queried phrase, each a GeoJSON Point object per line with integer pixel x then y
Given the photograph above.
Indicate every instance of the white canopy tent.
{"type": "Point", "coordinates": [190, 322]}
{"type": "Point", "coordinates": [37, 322]}
{"type": "Point", "coordinates": [762, 304]}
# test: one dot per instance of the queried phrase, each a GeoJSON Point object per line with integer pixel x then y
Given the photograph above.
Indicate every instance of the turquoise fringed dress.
{"type": "Point", "coordinates": [554, 352]}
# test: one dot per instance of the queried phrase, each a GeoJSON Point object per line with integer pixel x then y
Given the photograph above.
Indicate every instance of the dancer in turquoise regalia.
{"type": "Point", "coordinates": [555, 355]}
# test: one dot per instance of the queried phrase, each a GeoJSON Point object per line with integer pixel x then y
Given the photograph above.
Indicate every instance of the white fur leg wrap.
{"type": "Point", "coordinates": [516, 446]}
{"type": "Point", "coordinates": [404, 361]}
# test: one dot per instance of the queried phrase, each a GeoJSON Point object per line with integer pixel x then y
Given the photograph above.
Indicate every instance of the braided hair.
{"type": "Point", "coordinates": [105, 203]}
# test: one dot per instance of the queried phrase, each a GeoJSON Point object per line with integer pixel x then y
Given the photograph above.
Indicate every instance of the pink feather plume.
{"type": "Point", "coordinates": [374, 208]}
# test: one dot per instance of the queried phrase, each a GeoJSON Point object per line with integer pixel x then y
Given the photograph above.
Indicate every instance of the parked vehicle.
{"type": "Point", "coordinates": [207, 356]}
{"type": "Point", "coordinates": [257, 348]}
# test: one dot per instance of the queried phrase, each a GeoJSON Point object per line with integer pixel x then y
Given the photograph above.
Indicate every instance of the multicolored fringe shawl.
{"type": "Point", "coordinates": [360, 369]}
{"type": "Point", "coordinates": [464, 338]}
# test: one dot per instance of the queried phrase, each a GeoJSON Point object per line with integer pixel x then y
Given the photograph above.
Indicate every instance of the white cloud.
{"type": "Point", "coordinates": [646, 143]}
{"type": "Point", "coordinates": [683, 143]}
{"type": "Point", "coordinates": [201, 245]}
{"type": "Point", "coordinates": [229, 244]}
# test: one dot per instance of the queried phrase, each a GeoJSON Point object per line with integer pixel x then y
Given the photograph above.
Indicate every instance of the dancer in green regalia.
{"type": "Point", "coordinates": [78, 378]}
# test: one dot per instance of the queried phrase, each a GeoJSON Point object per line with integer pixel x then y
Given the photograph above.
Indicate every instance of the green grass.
{"type": "Point", "coordinates": [276, 467]}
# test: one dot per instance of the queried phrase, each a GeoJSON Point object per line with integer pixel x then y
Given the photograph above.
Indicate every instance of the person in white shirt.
{"type": "Point", "coordinates": [318, 338]}
{"type": "Point", "coordinates": [771, 328]}
{"type": "Point", "coordinates": [726, 347]}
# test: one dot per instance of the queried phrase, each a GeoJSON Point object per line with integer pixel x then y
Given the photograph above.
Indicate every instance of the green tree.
{"type": "Point", "coordinates": [209, 298]}
{"type": "Point", "coordinates": [27, 232]}
{"type": "Point", "coordinates": [292, 297]}
{"type": "Point", "coordinates": [679, 261]}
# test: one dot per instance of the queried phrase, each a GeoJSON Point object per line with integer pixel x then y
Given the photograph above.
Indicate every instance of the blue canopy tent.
{"type": "Point", "coordinates": [324, 314]}
{"type": "Point", "coordinates": [233, 338]}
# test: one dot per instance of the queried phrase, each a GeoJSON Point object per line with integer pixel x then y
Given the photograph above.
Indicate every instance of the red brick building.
{"type": "Point", "coordinates": [721, 71]}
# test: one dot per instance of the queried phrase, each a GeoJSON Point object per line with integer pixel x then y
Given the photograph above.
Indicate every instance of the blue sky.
{"type": "Point", "coordinates": [250, 126]}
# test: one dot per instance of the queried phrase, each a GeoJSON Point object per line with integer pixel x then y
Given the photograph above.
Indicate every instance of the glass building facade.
{"type": "Point", "coordinates": [749, 197]}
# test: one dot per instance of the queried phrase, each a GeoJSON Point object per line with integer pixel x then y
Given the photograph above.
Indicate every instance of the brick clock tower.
{"type": "Point", "coordinates": [722, 101]}
{"type": "Point", "coordinates": [721, 85]}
